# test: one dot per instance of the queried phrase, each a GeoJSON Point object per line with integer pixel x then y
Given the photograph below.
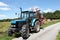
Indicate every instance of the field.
{"type": "Point", "coordinates": [5, 25]}
{"type": "Point", "coordinates": [3, 28]}
{"type": "Point", "coordinates": [50, 23]}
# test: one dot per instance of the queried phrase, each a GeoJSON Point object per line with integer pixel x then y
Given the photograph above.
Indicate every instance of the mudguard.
{"type": "Point", "coordinates": [33, 21]}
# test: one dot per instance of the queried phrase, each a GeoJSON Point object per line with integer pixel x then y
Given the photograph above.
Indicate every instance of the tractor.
{"type": "Point", "coordinates": [28, 22]}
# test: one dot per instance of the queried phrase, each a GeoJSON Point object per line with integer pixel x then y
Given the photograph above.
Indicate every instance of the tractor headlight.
{"type": "Point", "coordinates": [13, 25]}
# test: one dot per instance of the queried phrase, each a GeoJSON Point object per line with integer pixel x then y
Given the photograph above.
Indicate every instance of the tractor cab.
{"type": "Point", "coordinates": [27, 14]}
{"type": "Point", "coordinates": [24, 16]}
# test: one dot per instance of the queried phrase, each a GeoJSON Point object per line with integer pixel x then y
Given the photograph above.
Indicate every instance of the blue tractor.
{"type": "Point", "coordinates": [28, 22]}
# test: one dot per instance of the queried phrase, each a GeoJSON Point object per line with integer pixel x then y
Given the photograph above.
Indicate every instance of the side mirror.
{"type": "Point", "coordinates": [17, 14]}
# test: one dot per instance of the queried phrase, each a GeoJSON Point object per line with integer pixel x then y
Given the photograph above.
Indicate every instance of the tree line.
{"type": "Point", "coordinates": [52, 15]}
{"type": "Point", "coordinates": [8, 20]}
{"type": "Point", "coordinates": [48, 15]}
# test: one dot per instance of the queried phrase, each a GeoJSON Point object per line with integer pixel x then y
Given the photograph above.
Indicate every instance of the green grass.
{"type": "Point", "coordinates": [5, 25]}
{"type": "Point", "coordinates": [4, 36]}
{"type": "Point", "coordinates": [58, 36]}
{"type": "Point", "coordinates": [3, 28]}
{"type": "Point", "coordinates": [50, 23]}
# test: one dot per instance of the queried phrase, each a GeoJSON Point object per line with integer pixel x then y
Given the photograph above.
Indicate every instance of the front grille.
{"type": "Point", "coordinates": [18, 24]}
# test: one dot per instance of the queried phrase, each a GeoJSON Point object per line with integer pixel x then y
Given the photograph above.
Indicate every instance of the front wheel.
{"type": "Point", "coordinates": [10, 33]}
{"type": "Point", "coordinates": [25, 31]}
{"type": "Point", "coordinates": [37, 26]}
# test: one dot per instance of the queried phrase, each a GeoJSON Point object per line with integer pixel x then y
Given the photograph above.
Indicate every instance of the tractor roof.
{"type": "Point", "coordinates": [28, 12]}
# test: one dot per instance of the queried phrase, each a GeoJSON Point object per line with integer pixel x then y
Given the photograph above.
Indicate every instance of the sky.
{"type": "Point", "coordinates": [8, 8]}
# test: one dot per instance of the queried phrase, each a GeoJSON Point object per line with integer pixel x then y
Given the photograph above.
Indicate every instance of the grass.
{"type": "Point", "coordinates": [5, 25]}
{"type": "Point", "coordinates": [58, 36]}
{"type": "Point", "coordinates": [4, 36]}
{"type": "Point", "coordinates": [50, 23]}
{"type": "Point", "coordinates": [3, 28]}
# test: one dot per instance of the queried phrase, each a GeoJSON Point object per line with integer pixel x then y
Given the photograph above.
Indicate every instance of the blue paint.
{"type": "Point", "coordinates": [14, 21]}
{"type": "Point", "coordinates": [33, 21]}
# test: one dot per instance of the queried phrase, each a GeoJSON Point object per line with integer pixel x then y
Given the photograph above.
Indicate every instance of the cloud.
{"type": "Point", "coordinates": [47, 10]}
{"type": "Point", "coordinates": [5, 8]}
{"type": "Point", "coordinates": [33, 7]}
{"type": "Point", "coordinates": [2, 16]}
{"type": "Point", "coordinates": [3, 4]}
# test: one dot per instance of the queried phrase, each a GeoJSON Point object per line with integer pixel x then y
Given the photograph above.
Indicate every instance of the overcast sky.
{"type": "Point", "coordinates": [8, 8]}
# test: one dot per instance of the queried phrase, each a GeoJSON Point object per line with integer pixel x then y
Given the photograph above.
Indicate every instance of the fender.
{"type": "Point", "coordinates": [33, 21]}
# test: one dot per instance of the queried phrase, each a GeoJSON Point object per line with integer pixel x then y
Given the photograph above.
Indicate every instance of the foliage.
{"type": "Point", "coordinates": [52, 15]}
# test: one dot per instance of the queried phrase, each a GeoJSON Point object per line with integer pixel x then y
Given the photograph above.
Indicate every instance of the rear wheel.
{"type": "Point", "coordinates": [25, 31]}
{"type": "Point", "coordinates": [37, 26]}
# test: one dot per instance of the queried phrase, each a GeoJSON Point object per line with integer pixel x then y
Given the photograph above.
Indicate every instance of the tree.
{"type": "Point", "coordinates": [52, 15]}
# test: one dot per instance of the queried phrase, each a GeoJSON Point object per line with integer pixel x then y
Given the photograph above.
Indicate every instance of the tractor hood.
{"type": "Point", "coordinates": [13, 22]}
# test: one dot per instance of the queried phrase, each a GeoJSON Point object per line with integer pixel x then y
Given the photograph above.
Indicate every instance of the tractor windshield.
{"type": "Point", "coordinates": [27, 14]}
{"type": "Point", "coordinates": [24, 15]}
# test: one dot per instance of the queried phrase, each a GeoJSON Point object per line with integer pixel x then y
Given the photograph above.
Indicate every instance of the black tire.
{"type": "Point", "coordinates": [9, 33]}
{"type": "Point", "coordinates": [37, 27]}
{"type": "Point", "coordinates": [25, 31]}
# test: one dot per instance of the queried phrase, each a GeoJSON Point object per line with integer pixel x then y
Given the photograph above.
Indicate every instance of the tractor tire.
{"type": "Point", "coordinates": [9, 33]}
{"type": "Point", "coordinates": [25, 31]}
{"type": "Point", "coordinates": [37, 27]}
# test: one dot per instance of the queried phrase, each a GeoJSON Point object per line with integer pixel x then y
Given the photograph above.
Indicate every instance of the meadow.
{"type": "Point", "coordinates": [3, 31]}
